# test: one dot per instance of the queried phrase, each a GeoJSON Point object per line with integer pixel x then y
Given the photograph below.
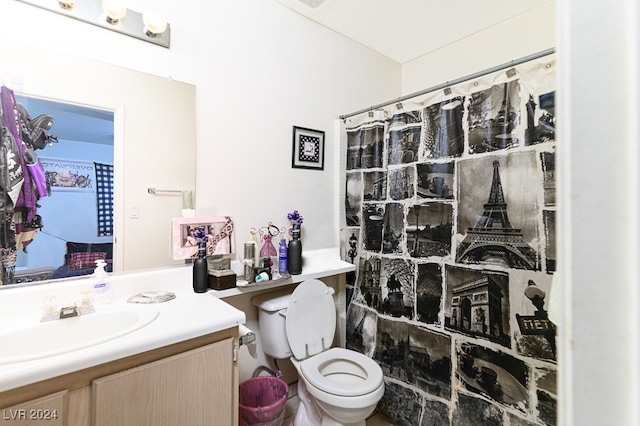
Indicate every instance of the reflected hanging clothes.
{"type": "Point", "coordinates": [19, 164]}
{"type": "Point", "coordinates": [35, 136]}
{"type": "Point", "coordinates": [12, 120]}
{"type": "Point", "coordinates": [8, 249]}
{"type": "Point", "coordinates": [11, 177]}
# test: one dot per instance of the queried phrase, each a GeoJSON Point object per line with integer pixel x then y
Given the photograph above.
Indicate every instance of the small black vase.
{"type": "Point", "coordinates": [200, 273]}
{"type": "Point", "coordinates": [294, 254]}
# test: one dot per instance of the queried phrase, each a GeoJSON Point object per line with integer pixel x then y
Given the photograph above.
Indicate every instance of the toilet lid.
{"type": "Point", "coordinates": [311, 319]}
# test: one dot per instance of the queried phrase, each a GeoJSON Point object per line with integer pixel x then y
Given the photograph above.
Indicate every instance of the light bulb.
{"type": "Point", "coordinates": [154, 24]}
{"type": "Point", "coordinates": [114, 9]}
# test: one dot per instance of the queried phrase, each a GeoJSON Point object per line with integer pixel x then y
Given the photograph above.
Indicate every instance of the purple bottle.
{"type": "Point", "coordinates": [282, 257]}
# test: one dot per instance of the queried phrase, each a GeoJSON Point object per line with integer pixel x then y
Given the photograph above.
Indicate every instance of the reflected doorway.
{"type": "Point", "coordinates": [77, 216]}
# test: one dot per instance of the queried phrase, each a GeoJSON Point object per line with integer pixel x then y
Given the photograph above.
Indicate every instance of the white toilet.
{"type": "Point", "coordinates": [336, 386]}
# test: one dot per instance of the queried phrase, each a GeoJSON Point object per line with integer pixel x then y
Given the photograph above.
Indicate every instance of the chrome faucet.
{"type": "Point", "coordinates": [52, 310]}
{"type": "Point", "coordinates": [69, 311]}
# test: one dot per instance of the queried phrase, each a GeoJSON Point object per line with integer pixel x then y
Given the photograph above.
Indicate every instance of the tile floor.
{"type": "Point", "coordinates": [377, 419]}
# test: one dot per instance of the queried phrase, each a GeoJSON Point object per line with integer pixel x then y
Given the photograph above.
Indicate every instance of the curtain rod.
{"type": "Point", "coordinates": [457, 81]}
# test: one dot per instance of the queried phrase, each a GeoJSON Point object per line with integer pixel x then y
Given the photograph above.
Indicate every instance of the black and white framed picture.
{"type": "Point", "coordinates": [308, 149]}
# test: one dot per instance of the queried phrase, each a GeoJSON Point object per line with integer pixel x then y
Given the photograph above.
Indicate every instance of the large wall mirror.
{"type": "Point", "coordinates": [151, 123]}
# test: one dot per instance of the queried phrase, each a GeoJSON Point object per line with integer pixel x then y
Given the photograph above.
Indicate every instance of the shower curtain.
{"type": "Point", "coordinates": [450, 220]}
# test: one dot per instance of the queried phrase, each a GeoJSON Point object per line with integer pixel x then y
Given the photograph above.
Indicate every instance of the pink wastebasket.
{"type": "Point", "coordinates": [262, 401]}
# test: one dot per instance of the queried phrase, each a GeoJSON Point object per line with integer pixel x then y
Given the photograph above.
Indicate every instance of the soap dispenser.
{"type": "Point", "coordinates": [102, 292]}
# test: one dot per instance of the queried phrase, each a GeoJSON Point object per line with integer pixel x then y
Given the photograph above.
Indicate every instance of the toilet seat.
{"type": "Point", "coordinates": [342, 372]}
{"type": "Point", "coordinates": [310, 325]}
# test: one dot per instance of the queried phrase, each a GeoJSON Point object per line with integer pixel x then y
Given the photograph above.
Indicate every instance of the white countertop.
{"type": "Point", "coordinates": [315, 264]}
{"type": "Point", "coordinates": [187, 316]}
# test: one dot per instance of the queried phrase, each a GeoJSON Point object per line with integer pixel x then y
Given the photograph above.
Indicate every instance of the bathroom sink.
{"type": "Point", "coordinates": [43, 339]}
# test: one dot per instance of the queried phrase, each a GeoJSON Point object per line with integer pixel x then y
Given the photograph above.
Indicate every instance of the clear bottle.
{"type": "Point", "coordinates": [282, 257]}
{"type": "Point", "coordinates": [249, 260]}
{"type": "Point", "coordinates": [102, 291]}
{"type": "Point", "coordinates": [294, 254]}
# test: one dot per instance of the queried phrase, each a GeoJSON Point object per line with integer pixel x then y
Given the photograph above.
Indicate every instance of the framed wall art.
{"type": "Point", "coordinates": [308, 149]}
{"type": "Point", "coordinates": [186, 238]}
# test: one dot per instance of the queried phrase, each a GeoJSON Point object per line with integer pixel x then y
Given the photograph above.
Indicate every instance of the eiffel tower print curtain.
{"type": "Point", "coordinates": [450, 221]}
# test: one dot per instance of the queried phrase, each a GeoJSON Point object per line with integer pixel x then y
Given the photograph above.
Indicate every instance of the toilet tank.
{"type": "Point", "coordinates": [272, 311]}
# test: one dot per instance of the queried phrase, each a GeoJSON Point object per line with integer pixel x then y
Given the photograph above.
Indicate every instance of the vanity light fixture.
{"type": "Point", "coordinates": [112, 15]}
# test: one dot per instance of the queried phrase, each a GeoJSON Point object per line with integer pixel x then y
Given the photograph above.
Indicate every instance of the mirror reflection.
{"type": "Point", "coordinates": [76, 215]}
{"type": "Point", "coordinates": [151, 124]}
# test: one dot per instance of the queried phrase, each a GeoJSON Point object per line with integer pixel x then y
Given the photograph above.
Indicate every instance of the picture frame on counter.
{"type": "Point", "coordinates": [219, 231]}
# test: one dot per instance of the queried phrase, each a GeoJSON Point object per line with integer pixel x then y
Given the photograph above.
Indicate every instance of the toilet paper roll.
{"type": "Point", "coordinates": [246, 335]}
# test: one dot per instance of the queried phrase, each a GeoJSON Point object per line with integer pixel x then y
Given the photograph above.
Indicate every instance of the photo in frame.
{"type": "Point", "coordinates": [218, 229]}
{"type": "Point", "coordinates": [308, 149]}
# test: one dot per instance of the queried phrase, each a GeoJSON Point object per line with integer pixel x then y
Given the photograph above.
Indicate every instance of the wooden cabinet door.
{"type": "Point", "coordinates": [192, 388]}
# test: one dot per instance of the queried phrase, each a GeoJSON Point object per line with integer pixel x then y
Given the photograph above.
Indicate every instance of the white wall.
{"type": "Point", "coordinates": [599, 99]}
{"type": "Point", "coordinates": [265, 70]}
{"type": "Point", "coordinates": [518, 37]}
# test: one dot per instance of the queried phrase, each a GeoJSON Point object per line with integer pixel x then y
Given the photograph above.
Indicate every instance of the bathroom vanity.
{"type": "Point", "coordinates": [181, 365]}
{"type": "Point", "coordinates": [190, 382]}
